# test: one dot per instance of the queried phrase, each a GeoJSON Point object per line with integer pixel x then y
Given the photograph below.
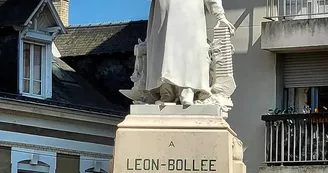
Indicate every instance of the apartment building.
{"type": "Point", "coordinates": [280, 64]}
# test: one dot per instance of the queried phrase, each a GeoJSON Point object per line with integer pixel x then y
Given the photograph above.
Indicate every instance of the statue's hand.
{"type": "Point", "coordinates": [230, 25]}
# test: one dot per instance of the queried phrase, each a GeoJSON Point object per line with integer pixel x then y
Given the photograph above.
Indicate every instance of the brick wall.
{"type": "Point", "coordinates": [62, 7]}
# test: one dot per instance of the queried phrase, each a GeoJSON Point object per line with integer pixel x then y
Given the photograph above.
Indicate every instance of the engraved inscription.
{"type": "Point", "coordinates": [171, 144]}
{"type": "Point", "coordinates": [193, 165]}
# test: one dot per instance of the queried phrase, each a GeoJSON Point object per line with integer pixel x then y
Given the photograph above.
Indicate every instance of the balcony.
{"type": "Point", "coordinates": [295, 25]}
{"type": "Point", "coordinates": [296, 143]}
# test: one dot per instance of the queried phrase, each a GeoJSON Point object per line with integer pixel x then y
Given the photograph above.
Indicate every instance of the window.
{"type": "Point", "coordinates": [305, 81]}
{"type": "Point", "coordinates": [5, 159]}
{"type": "Point", "coordinates": [26, 167]}
{"type": "Point", "coordinates": [298, 100]}
{"type": "Point", "coordinates": [306, 100]}
{"type": "Point", "coordinates": [67, 163]}
{"type": "Point", "coordinates": [33, 68]}
{"type": "Point", "coordinates": [32, 161]}
{"type": "Point", "coordinates": [94, 165]}
{"type": "Point", "coordinates": [91, 170]}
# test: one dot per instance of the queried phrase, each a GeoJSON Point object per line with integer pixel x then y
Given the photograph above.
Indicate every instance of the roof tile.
{"type": "Point", "coordinates": [16, 12]}
{"type": "Point", "coordinates": [101, 39]}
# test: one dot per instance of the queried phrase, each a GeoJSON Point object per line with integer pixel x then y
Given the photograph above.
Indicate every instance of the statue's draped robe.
{"type": "Point", "coordinates": [177, 48]}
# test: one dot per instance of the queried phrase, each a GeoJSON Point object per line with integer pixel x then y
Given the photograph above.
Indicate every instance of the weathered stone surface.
{"type": "Point", "coordinates": [295, 34]}
{"type": "Point", "coordinates": [176, 143]}
{"type": "Point", "coordinates": [294, 169]}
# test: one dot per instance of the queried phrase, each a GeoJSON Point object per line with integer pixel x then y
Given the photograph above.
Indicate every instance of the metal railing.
{"type": "Point", "coordinates": [296, 139]}
{"type": "Point", "coordinates": [296, 9]}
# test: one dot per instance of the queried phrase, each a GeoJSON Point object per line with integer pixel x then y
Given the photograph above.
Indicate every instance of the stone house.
{"type": "Point", "coordinates": [51, 118]}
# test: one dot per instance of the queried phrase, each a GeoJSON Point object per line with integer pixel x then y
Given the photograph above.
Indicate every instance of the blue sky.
{"type": "Point", "coordinates": [100, 11]}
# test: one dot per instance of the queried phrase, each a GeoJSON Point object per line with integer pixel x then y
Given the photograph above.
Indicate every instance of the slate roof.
{"type": "Point", "coordinates": [71, 88]}
{"type": "Point", "coordinates": [101, 39]}
{"type": "Point", "coordinates": [16, 12]}
{"type": "Point", "coordinates": [70, 91]}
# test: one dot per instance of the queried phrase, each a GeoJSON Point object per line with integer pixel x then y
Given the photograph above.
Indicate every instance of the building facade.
{"type": "Point", "coordinates": [280, 64]}
{"type": "Point", "coordinates": [51, 118]}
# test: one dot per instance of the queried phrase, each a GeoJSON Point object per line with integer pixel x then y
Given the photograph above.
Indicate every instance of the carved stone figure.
{"type": "Point", "coordinates": [178, 62]}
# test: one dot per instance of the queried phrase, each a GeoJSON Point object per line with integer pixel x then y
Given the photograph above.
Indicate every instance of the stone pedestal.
{"type": "Point", "coordinates": [176, 139]}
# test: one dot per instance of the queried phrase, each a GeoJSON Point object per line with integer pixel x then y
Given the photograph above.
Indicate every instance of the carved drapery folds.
{"type": "Point", "coordinates": [221, 73]}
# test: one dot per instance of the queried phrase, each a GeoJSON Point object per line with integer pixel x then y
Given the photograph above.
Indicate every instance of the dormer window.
{"type": "Point", "coordinates": [34, 57]}
{"type": "Point", "coordinates": [35, 51]}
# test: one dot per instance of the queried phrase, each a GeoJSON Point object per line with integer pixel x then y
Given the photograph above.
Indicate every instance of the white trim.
{"type": "Point", "coordinates": [46, 62]}
{"type": "Point", "coordinates": [21, 154]}
{"type": "Point", "coordinates": [35, 23]}
{"type": "Point", "coordinates": [48, 71]}
{"type": "Point", "coordinates": [33, 168]}
{"type": "Point", "coordinates": [21, 64]}
{"type": "Point", "coordinates": [38, 37]}
{"type": "Point", "coordinates": [53, 12]}
{"type": "Point", "coordinates": [89, 162]}
{"type": "Point", "coordinates": [42, 71]}
{"type": "Point", "coordinates": [59, 124]}
{"type": "Point", "coordinates": [58, 112]}
{"type": "Point", "coordinates": [55, 142]}
{"type": "Point", "coordinates": [33, 13]}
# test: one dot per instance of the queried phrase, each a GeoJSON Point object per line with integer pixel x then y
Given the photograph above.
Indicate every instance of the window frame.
{"type": "Point", "coordinates": [19, 157]}
{"type": "Point", "coordinates": [31, 70]}
{"type": "Point", "coordinates": [31, 37]}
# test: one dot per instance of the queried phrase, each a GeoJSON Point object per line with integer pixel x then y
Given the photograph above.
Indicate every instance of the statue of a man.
{"type": "Point", "coordinates": [177, 49]}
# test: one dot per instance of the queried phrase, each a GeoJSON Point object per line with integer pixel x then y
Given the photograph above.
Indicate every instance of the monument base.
{"type": "Point", "coordinates": [173, 138]}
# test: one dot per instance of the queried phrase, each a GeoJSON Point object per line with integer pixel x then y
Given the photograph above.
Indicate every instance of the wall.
{"type": "Point", "coordinates": [297, 34]}
{"type": "Point", "coordinates": [8, 60]}
{"type": "Point", "coordinates": [43, 132]}
{"type": "Point", "coordinates": [62, 7]}
{"type": "Point", "coordinates": [254, 71]}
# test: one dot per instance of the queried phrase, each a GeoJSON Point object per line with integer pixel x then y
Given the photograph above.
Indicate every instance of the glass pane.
{"type": "Point", "coordinates": [37, 62]}
{"type": "Point", "coordinates": [37, 88]}
{"type": "Point", "coordinates": [26, 86]}
{"type": "Point", "coordinates": [26, 60]}
{"type": "Point", "coordinates": [297, 100]}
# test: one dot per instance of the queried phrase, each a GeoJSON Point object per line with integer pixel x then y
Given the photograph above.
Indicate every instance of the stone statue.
{"type": "Point", "coordinates": [179, 62]}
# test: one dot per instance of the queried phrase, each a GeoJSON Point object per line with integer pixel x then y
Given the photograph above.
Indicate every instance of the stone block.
{"type": "Point", "coordinates": [174, 139]}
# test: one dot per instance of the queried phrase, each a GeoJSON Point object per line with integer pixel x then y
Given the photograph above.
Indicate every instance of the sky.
{"type": "Point", "coordinates": [104, 11]}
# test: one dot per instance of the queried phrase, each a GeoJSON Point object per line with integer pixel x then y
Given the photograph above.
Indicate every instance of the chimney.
{"type": "Point", "coordinates": [62, 7]}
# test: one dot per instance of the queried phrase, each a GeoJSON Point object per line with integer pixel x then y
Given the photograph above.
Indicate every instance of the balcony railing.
{"type": "Point", "coordinates": [296, 9]}
{"type": "Point", "coordinates": [296, 139]}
